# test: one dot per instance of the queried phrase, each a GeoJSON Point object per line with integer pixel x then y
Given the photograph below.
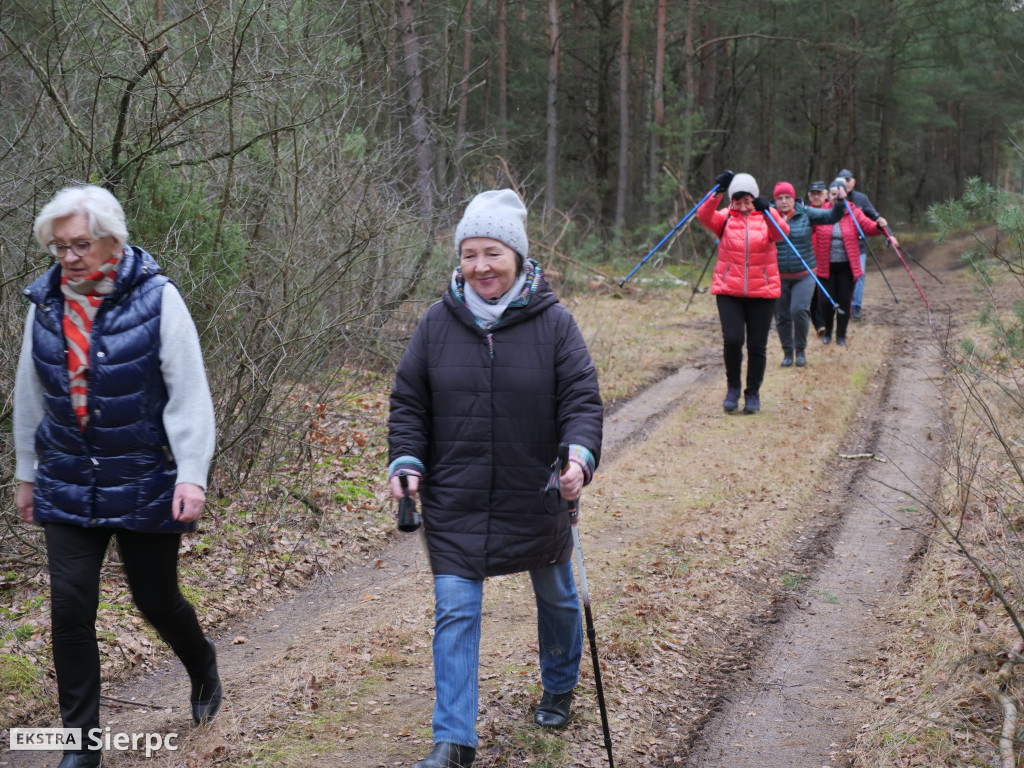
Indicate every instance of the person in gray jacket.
{"type": "Point", "coordinates": [114, 434]}
{"type": "Point", "coordinates": [863, 202]}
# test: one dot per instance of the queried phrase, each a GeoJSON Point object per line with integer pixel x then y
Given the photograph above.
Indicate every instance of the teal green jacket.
{"type": "Point", "coordinates": [800, 223]}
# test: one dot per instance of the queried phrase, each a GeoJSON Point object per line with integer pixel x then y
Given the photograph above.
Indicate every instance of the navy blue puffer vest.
{"type": "Point", "coordinates": [119, 472]}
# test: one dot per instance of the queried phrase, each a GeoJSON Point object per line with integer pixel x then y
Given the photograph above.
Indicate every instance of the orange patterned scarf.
{"type": "Point", "coordinates": [82, 299]}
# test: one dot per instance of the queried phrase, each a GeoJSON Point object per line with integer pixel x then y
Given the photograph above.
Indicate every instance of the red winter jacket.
{"type": "Point", "coordinates": [747, 265]}
{"type": "Point", "coordinates": [823, 240]}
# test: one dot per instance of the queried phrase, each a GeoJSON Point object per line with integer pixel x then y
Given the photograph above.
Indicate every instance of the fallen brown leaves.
{"type": "Point", "coordinates": [254, 546]}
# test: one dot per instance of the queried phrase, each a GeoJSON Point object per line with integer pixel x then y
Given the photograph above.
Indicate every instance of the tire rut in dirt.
{"type": "Point", "coordinates": [772, 715]}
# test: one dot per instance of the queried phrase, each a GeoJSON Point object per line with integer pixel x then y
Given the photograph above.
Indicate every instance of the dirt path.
{"type": "Point", "coordinates": [799, 706]}
{"type": "Point", "coordinates": [356, 646]}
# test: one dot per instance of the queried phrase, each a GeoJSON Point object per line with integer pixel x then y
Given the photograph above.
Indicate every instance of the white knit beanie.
{"type": "Point", "coordinates": [498, 214]}
{"type": "Point", "coordinates": [743, 182]}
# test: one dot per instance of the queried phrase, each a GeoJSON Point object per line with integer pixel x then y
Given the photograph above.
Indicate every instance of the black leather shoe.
{"type": "Point", "coordinates": [82, 760]}
{"type": "Point", "coordinates": [826, 339]}
{"type": "Point", "coordinates": [448, 756]}
{"type": "Point", "coordinates": [840, 342]}
{"type": "Point", "coordinates": [553, 710]}
{"type": "Point", "coordinates": [207, 692]}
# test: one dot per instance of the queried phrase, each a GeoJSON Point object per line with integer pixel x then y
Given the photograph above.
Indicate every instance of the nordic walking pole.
{"type": "Point", "coordinates": [870, 250]}
{"type": "Point", "coordinates": [697, 284]}
{"type": "Point", "coordinates": [683, 221]}
{"type": "Point", "coordinates": [789, 242]}
{"type": "Point", "coordinates": [889, 238]}
{"type": "Point", "coordinates": [581, 572]}
{"type": "Point", "coordinates": [920, 263]}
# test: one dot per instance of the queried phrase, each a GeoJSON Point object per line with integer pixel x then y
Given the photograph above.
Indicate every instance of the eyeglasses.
{"type": "Point", "coordinates": [79, 248]}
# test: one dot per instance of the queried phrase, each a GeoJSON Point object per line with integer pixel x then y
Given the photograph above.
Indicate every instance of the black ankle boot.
{"type": "Point", "coordinates": [207, 692]}
{"type": "Point", "coordinates": [448, 756]}
{"type": "Point", "coordinates": [81, 760]}
{"type": "Point", "coordinates": [553, 710]}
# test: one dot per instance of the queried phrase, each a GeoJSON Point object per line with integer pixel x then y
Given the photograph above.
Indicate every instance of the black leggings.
{"type": "Point", "coordinates": [151, 564]}
{"type": "Point", "coordinates": [839, 285]}
{"type": "Point", "coordinates": [751, 318]}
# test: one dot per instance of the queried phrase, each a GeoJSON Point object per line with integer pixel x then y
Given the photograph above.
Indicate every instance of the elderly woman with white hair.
{"type": "Point", "coordinates": [114, 433]}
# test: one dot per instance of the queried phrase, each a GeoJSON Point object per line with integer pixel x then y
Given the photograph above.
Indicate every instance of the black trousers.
{"type": "Point", "coordinates": [839, 285]}
{"type": "Point", "coordinates": [817, 318]}
{"type": "Point", "coordinates": [750, 318]}
{"type": "Point", "coordinates": [151, 564]}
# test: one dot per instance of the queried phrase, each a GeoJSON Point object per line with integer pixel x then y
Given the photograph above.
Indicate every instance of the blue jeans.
{"type": "Point", "coordinates": [457, 614]}
{"type": "Point", "coordinates": [858, 287]}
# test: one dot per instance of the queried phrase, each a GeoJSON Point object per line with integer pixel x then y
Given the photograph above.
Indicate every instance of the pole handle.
{"type": "Point", "coordinates": [561, 465]}
{"type": "Point", "coordinates": [408, 518]}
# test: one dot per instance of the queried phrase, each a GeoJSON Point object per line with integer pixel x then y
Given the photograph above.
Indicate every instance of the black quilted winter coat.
{"type": "Point", "coordinates": [485, 411]}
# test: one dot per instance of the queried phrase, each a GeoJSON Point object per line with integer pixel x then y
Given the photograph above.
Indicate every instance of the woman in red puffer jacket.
{"type": "Point", "coordinates": [837, 261]}
{"type": "Point", "coordinates": [746, 281]}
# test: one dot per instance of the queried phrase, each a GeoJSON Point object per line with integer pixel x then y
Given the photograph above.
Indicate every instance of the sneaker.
{"type": "Point", "coordinates": [826, 339]}
{"type": "Point", "coordinates": [787, 360]}
{"type": "Point", "coordinates": [801, 359]}
{"type": "Point", "coordinates": [751, 404]}
{"type": "Point", "coordinates": [820, 331]}
{"type": "Point", "coordinates": [840, 342]}
{"type": "Point", "coordinates": [732, 399]}
{"type": "Point", "coordinates": [855, 312]}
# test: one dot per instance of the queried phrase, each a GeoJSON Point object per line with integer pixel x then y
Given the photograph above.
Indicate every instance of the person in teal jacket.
{"type": "Point", "coordinates": [793, 309]}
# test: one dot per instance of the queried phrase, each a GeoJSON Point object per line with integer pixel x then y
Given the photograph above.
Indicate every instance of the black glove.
{"type": "Point", "coordinates": [723, 180]}
{"type": "Point", "coordinates": [761, 203]}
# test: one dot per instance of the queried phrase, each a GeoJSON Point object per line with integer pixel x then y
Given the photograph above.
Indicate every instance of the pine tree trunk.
{"type": "Point", "coordinates": [460, 123]}
{"type": "Point", "coordinates": [623, 187]}
{"type": "Point", "coordinates": [424, 154]}
{"type": "Point", "coordinates": [551, 160]}
{"type": "Point", "coordinates": [885, 129]}
{"type": "Point", "coordinates": [659, 107]}
{"type": "Point", "coordinates": [690, 107]}
{"type": "Point", "coordinates": [502, 74]}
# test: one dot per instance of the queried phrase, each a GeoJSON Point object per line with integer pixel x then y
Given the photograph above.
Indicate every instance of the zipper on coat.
{"type": "Point", "coordinates": [746, 257]}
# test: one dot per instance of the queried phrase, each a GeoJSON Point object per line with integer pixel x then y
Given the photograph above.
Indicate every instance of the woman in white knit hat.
{"type": "Point", "coordinates": [746, 281]}
{"type": "Point", "coordinates": [494, 379]}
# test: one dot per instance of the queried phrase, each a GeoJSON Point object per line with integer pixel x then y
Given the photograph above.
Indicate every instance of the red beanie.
{"type": "Point", "coordinates": [784, 188]}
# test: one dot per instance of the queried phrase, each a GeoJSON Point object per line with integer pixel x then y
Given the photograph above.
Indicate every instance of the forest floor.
{"type": "Point", "coordinates": [747, 574]}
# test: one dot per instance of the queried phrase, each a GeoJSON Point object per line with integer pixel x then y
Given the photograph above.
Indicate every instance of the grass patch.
{"type": "Point", "coordinates": [22, 685]}
{"type": "Point", "coordinates": [791, 582]}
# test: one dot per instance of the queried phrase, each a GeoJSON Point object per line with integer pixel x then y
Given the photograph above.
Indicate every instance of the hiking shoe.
{"type": "Point", "coordinates": [448, 756]}
{"type": "Point", "coordinates": [751, 404]}
{"type": "Point", "coordinates": [855, 312]}
{"type": "Point", "coordinates": [732, 399]}
{"type": "Point", "coordinates": [801, 359]}
{"type": "Point", "coordinates": [553, 710]}
{"type": "Point", "coordinates": [787, 360]}
{"type": "Point", "coordinates": [840, 342]}
{"type": "Point", "coordinates": [826, 339]}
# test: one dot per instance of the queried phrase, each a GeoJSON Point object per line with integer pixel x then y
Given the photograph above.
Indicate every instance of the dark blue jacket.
{"type": "Point", "coordinates": [119, 472]}
{"type": "Point", "coordinates": [800, 223]}
{"type": "Point", "coordinates": [486, 410]}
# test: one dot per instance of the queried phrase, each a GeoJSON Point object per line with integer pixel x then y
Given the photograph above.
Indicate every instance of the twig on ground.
{"type": "Point", "coordinates": [140, 704]}
{"type": "Point", "coordinates": [1009, 710]}
{"type": "Point", "coordinates": [862, 456]}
